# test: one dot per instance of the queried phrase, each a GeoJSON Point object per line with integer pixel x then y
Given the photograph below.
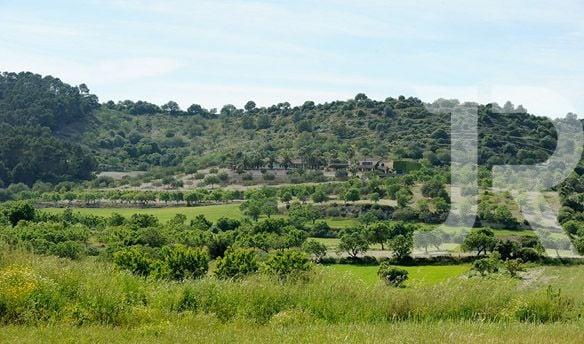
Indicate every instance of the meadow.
{"type": "Point", "coordinates": [47, 299]}
{"type": "Point", "coordinates": [418, 275]}
{"type": "Point", "coordinates": [211, 212]}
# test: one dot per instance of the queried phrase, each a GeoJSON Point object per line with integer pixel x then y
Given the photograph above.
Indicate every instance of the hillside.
{"type": "Point", "coordinates": [124, 138]}
{"type": "Point", "coordinates": [54, 132]}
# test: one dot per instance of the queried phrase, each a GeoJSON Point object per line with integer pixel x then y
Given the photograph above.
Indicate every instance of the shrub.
{"type": "Point", "coordinates": [181, 262]}
{"type": "Point", "coordinates": [17, 211]}
{"type": "Point", "coordinates": [237, 263]}
{"type": "Point", "coordinates": [67, 249]}
{"type": "Point", "coordinates": [514, 266]}
{"type": "Point", "coordinates": [486, 266]}
{"type": "Point", "coordinates": [134, 260]}
{"type": "Point", "coordinates": [528, 254]}
{"type": "Point", "coordinates": [287, 263]}
{"type": "Point", "coordinates": [391, 275]}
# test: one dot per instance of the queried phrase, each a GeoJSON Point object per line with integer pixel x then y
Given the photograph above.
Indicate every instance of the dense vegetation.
{"type": "Point", "coordinates": [268, 256]}
{"type": "Point", "coordinates": [43, 119]}
{"type": "Point", "coordinates": [35, 112]}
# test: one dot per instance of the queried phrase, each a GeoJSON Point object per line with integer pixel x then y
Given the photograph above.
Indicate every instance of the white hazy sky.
{"type": "Point", "coordinates": [218, 52]}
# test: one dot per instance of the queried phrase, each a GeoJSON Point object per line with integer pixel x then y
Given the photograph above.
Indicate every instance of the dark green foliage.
{"type": "Point", "coordinates": [314, 248]}
{"type": "Point", "coordinates": [288, 263]}
{"type": "Point", "coordinates": [67, 249]}
{"type": "Point", "coordinates": [485, 266]}
{"type": "Point", "coordinates": [237, 263]}
{"type": "Point", "coordinates": [18, 211]}
{"type": "Point", "coordinates": [135, 260]}
{"type": "Point", "coordinates": [33, 110]}
{"type": "Point", "coordinates": [180, 262]}
{"type": "Point", "coordinates": [354, 241]}
{"type": "Point", "coordinates": [392, 275]}
{"type": "Point", "coordinates": [481, 240]}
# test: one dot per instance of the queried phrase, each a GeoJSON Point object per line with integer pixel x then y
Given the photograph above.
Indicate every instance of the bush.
{"type": "Point", "coordinates": [321, 229]}
{"type": "Point", "coordinates": [180, 262]}
{"type": "Point", "coordinates": [287, 263]}
{"type": "Point", "coordinates": [528, 254]}
{"type": "Point", "coordinates": [134, 260]}
{"type": "Point", "coordinates": [67, 249]}
{"type": "Point", "coordinates": [237, 263]}
{"type": "Point", "coordinates": [391, 275]}
{"type": "Point", "coordinates": [514, 266]}
{"type": "Point", "coordinates": [485, 266]}
{"type": "Point", "coordinates": [18, 211]}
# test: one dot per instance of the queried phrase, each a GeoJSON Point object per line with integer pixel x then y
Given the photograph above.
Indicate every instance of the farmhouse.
{"type": "Point", "coordinates": [370, 164]}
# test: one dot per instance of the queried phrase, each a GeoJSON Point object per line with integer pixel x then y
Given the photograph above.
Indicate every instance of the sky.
{"type": "Point", "coordinates": [228, 52]}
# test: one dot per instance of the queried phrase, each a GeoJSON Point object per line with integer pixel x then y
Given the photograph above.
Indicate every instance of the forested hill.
{"type": "Point", "coordinates": [33, 109]}
{"type": "Point", "coordinates": [52, 131]}
{"type": "Point", "coordinates": [138, 136]}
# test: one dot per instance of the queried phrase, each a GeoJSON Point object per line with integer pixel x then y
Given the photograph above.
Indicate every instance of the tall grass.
{"type": "Point", "coordinates": [36, 290]}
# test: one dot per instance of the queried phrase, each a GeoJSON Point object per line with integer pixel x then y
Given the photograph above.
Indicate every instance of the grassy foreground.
{"type": "Point", "coordinates": [201, 329]}
{"type": "Point", "coordinates": [46, 299]}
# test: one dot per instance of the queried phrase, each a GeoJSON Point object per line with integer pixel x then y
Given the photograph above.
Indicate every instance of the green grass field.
{"type": "Point", "coordinates": [418, 275]}
{"type": "Point", "coordinates": [204, 329]}
{"type": "Point", "coordinates": [211, 212]}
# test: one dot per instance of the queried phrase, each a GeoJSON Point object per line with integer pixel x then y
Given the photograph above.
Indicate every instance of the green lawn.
{"type": "Point", "coordinates": [211, 212]}
{"type": "Point", "coordinates": [417, 274]}
{"type": "Point", "coordinates": [341, 222]}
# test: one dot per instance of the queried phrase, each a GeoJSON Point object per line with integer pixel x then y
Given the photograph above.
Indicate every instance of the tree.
{"type": "Point", "coordinates": [316, 249]}
{"type": "Point", "coordinates": [379, 233]}
{"type": "Point", "coordinates": [401, 245]}
{"type": "Point", "coordinates": [352, 195]}
{"type": "Point", "coordinates": [425, 238]}
{"type": "Point", "coordinates": [299, 214]}
{"type": "Point", "coordinates": [286, 197]}
{"type": "Point", "coordinates": [134, 260]}
{"type": "Point", "coordinates": [178, 220]}
{"type": "Point", "coordinates": [353, 240]}
{"type": "Point", "coordinates": [368, 218]}
{"type": "Point", "coordinates": [195, 109]}
{"type": "Point", "coordinates": [171, 108]}
{"type": "Point", "coordinates": [319, 196]}
{"type": "Point", "coordinates": [481, 240]}
{"type": "Point", "coordinates": [250, 105]}
{"type": "Point", "coordinates": [193, 197]}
